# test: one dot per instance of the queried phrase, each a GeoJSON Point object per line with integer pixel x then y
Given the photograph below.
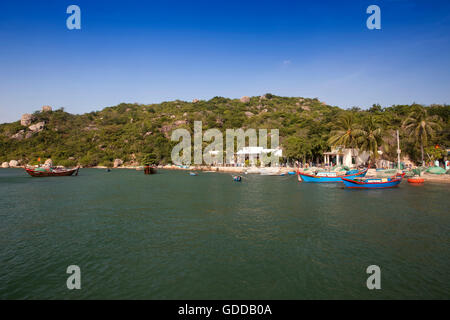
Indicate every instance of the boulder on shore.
{"type": "Point", "coordinates": [5, 165]}
{"type": "Point", "coordinates": [13, 164]}
{"type": "Point", "coordinates": [26, 119]}
{"type": "Point", "coordinates": [118, 163]}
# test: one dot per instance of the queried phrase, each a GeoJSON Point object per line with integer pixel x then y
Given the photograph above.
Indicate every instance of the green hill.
{"type": "Point", "coordinates": [132, 131]}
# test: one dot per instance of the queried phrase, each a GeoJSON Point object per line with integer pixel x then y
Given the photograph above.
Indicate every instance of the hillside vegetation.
{"type": "Point", "coordinates": [132, 132]}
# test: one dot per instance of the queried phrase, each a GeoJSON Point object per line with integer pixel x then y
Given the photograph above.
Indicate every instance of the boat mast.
{"type": "Point", "coordinates": [398, 151]}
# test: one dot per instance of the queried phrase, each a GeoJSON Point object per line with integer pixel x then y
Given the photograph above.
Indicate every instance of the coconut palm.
{"type": "Point", "coordinates": [370, 137]}
{"type": "Point", "coordinates": [421, 127]}
{"type": "Point", "coordinates": [345, 133]}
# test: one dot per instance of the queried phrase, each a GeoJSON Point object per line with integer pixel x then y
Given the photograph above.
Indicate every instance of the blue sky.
{"type": "Point", "coordinates": [153, 51]}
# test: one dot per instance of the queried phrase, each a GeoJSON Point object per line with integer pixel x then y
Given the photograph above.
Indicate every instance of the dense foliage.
{"type": "Point", "coordinates": [137, 133]}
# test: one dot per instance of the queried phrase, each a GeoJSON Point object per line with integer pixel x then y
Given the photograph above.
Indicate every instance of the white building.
{"type": "Point", "coordinates": [345, 157]}
{"type": "Point", "coordinates": [253, 154]}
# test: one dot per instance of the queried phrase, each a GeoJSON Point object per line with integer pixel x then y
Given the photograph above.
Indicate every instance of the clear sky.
{"type": "Point", "coordinates": [153, 51]}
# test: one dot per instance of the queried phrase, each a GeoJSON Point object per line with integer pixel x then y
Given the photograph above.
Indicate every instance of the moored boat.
{"type": "Point", "coordinates": [330, 176]}
{"type": "Point", "coordinates": [373, 183]}
{"type": "Point", "coordinates": [51, 172]}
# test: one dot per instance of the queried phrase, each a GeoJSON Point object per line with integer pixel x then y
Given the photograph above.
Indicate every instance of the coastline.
{"type": "Point", "coordinates": [429, 178]}
{"type": "Point", "coordinates": [442, 179]}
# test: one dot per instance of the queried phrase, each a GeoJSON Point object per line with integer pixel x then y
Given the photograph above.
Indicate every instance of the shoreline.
{"type": "Point", "coordinates": [430, 178]}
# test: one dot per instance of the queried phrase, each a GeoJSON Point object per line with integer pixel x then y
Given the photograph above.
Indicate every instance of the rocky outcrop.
{"type": "Point", "coordinates": [38, 127]}
{"type": "Point", "coordinates": [5, 165]}
{"type": "Point", "coordinates": [165, 129]}
{"type": "Point", "coordinates": [46, 108]}
{"type": "Point", "coordinates": [90, 127]}
{"type": "Point", "coordinates": [249, 114]}
{"type": "Point", "coordinates": [195, 100]}
{"type": "Point", "coordinates": [180, 122]}
{"type": "Point", "coordinates": [26, 119]}
{"type": "Point", "coordinates": [245, 99]}
{"type": "Point", "coordinates": [118, 163]}
{"type": "Point", "coordinates": [29, 134]}
{"type": "Point", "coordinates": [13, 164]}
{"type": "Point", "coordinates": [19, 135]}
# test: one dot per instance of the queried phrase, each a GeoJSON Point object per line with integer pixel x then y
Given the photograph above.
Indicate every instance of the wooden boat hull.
{"type": "Point", "coordinates": [311, 178]}
{"type": "Point", "coordinates": [62, 173]}
{"type": "Point", "coordinates": [149, 170]}
{"type": "Point", "coordinates": [350, 183]}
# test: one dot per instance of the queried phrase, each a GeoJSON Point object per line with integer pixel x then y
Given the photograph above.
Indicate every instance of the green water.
{"type": "Point", "coordinates": [174, 236]}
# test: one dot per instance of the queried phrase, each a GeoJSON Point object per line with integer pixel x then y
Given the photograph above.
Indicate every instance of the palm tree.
{"type": "Point", "coordinates": [345, 133]}
{"type": "Point", "coordinates": [421, 126]}
{"type": "Point", "coordinates": [370, 137]}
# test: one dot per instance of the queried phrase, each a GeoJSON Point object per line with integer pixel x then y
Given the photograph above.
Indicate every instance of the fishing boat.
{"type": "Point", "coordinates": [330, 176]}
{"type": "Point", "coordinates": [51, 172]}
{"type": "Point", "coordinates": [149, 170]}
{"type": "Point", "coordinates": [373, 183]}
{"type": "Point", "coordinates": [237, 178]}
{"type": "Point", "coordinates": [193, 174]}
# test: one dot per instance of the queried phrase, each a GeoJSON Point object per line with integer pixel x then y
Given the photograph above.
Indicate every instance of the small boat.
{"type": "Point", "coordinates": [292, 173]}
{"type": "Point", "coordinates": [237, 178]}
{"type": "Point", "coordinates": [373, 183]}
{"type": "Point", "coordinates": [51, 172]}
{"type": "Point", "coordinates": [149, 170]}
{"type": "Point", "coordinates": [193, 174]}
{"type": "Point", "coordinates": [416, 180]}
{"type": "Point", "coordinates": [330, 176]}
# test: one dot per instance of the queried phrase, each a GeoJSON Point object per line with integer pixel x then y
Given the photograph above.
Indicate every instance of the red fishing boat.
{"type": "Point", "coordinates": [51, 172]}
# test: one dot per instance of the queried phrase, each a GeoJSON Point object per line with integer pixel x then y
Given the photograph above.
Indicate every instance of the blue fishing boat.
{"type": "Point", "coordinates": [330, 176]}
{"type": "Point", "coordinates": [373, 183]}
{"type": "Point", "coordinates": [291, 172]}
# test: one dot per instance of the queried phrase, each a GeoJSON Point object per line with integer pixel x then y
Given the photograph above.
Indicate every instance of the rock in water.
{"type": "Point", "coordinates": [46, 108]}
{"type": "Point", "coordinates": [38, 127]}
{"type": "Point", "coordinates": [5, 165]}
{"type": "Point", "coordinates": [118, 163]}
{"type": "Point", "coordinates": [26, 119]}
{"type": "Point", "coordinates": [245, 99]}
